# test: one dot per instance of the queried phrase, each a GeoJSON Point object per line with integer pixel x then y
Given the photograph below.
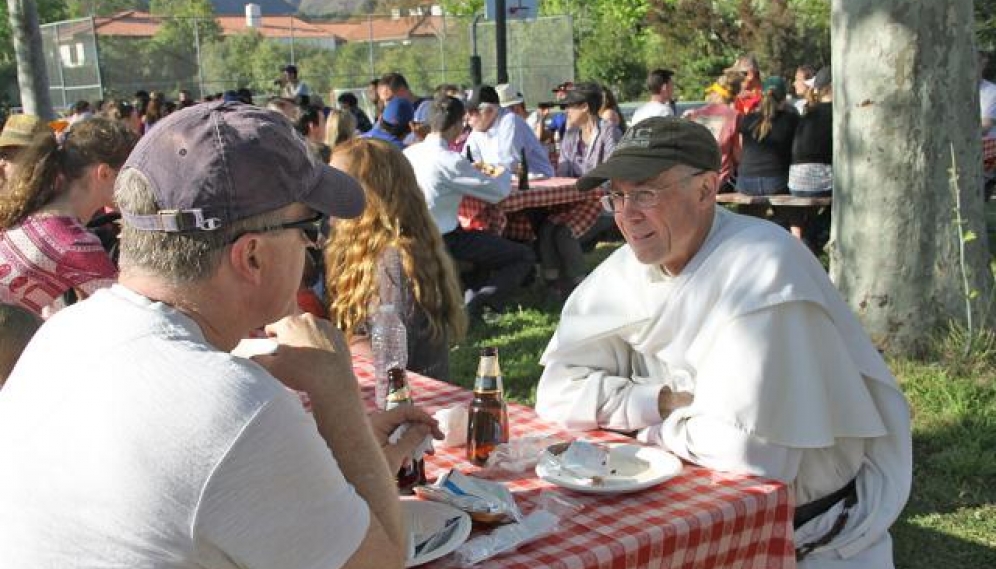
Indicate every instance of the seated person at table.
{"type": "Point", "coordinates": [17, 134]}
{"type": "Point", "coordinates": [699, 333]}
{"type": "Point", "coordinates": [589, 142]}
{"type": "Point", "coordinates": [766, 137]}
{"type": "Point", "coordinates": [394, 123]}
{"type": "Point", "coordinates": [161, 449]}
{"type": "Point", "coordinates": [445, 177]}
{"type": "Point", "coordinates": [393, 251]}
{"type": "Point", "coordinates": [17, 326]}
{"type": "Point", "coordinates": [500, 137]}
{"type": "Point", "coordinates": [45, 248]}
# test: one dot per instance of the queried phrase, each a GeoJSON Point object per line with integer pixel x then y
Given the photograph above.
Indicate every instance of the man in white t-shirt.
{"type": "Point", "coordinates": [721, 338]}
{"type": "Point", "coordinates": [660, 84]}
{"type": "Point", "coordinates": [292, 87]}
{"type": "Point", "coordinates": [131, 437]}
{"type": "Point", "coordinates": [987, 98]}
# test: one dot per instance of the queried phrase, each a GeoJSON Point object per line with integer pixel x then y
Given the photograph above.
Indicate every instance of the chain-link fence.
{"type": "Point", "coordinates": [212, 56]}
{"type": "Point", "coordinates": [71, 60]}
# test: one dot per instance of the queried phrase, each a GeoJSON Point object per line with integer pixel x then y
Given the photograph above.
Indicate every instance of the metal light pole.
{"type": "Point", "coordinates": [475, 59]}
{"type": "Point", "coordinates": [197, 48]}
{"type": "Point", "coordinates": [501, 64]}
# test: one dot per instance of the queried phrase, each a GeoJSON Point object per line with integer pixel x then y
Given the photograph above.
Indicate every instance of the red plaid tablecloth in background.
{"type": "Point", "coordinates": [700, 519]}
{"type": "Point", "coordinates": [989, 154]}
{"type": "Point", "coordinates": [567, 206]}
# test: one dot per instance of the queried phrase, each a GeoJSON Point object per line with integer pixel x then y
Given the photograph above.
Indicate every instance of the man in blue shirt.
{"type": "Point", "coordinates": [393, 125]}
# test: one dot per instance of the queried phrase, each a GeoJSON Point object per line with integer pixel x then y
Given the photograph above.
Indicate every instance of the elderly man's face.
{"type": "Point", "coordinates": [483, 117]}
{"type": "Point", "coordinates": [669, 232]}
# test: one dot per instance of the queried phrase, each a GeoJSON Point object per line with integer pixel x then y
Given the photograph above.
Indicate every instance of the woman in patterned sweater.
{"type": "Point", "coordinates": [45, 248]}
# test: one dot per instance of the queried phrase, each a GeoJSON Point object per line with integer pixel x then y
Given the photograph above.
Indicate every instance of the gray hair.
{"type": "Point", "coordinates": [178, 257]}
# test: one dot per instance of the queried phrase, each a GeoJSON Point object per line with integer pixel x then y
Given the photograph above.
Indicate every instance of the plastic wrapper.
{"type": "Point", "coordinates": [542, 521]}
{"type": "Point", "coordinates": [519, 455]}
{"type": "Point", "coordinates": [485, 500]}
{"type": "Point", "coordinates": [453, 424]}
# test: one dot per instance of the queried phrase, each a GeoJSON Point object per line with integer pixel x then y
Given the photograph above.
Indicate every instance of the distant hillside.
{"type": "Point", "coordinates": [282, 7]}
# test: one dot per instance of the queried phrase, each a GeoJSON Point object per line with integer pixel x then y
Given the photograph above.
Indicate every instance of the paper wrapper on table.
{"type": "Point", "coordinates": [542, 521]}
{"type": "Point", "coordinates": [520, 454]}
{"type": "Point", "coordinates": [453, 424]}
{"type": "Point", "coordinates": [484, 500]}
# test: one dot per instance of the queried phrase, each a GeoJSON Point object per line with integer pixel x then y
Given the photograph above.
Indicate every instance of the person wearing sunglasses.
{"type": "Point", "coordinates": [17, 133]}
{"type": "Point", "coordinates": [171, 450]}
{"type": "Point", "coordinates": [720, 338]}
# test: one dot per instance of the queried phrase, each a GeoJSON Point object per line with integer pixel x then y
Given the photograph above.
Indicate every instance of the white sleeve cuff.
{"type": "Point", "coordinates": [641, 405]}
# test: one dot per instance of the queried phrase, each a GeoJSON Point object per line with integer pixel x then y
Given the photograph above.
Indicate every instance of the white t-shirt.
{"type": "Point", "coordinates": [128, 441]}
{"type": "Point", "coordinates": [651, 109]}
{"type": "Point", "coordinates": [445, 177]}
{"type": "Point", "coordinates": [987, 100]}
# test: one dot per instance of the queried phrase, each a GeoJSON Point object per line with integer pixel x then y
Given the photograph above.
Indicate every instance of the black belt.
{"type": "Point", "coordinates": [810, 510]}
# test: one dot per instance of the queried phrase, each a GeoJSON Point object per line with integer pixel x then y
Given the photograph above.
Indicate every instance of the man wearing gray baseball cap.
{"type": "Point", "coordinates": [720, 338]}
{"type": "Point", "coordinates": [132, 437]}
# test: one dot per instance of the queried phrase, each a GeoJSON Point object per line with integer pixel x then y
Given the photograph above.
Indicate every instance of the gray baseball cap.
{"type": "Point", "coordinates": [652, 146]}
{"type": "Point", "coordinates": [213, 164]}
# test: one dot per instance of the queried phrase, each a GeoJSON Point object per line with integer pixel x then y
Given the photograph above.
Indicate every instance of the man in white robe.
{"type": "Point", "coordinates": [720, 338]}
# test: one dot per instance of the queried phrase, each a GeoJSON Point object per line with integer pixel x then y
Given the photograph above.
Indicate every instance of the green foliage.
{"type": "Point", "coordinates": [985, 24]}
{"type": "Point", "coordinates": [463, 7]}
{"type": "Point", "coordinates": [606, 55]}
{"type": "Point", "coordinates": [84, 8]}
{"type": "Point", "coordinates": [48, 11]}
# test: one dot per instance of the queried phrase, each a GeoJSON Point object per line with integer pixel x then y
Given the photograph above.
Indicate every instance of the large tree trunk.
{"type": "Point", "coordinates": [31, 75]}
{"type": "Point", "coordinates": [906, 94]}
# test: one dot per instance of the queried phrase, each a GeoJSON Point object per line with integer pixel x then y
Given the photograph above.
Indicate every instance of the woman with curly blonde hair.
{"type": "Point", "coordinates": [395, 225]}
{"type": "Point", "coordinates": [45, 248]}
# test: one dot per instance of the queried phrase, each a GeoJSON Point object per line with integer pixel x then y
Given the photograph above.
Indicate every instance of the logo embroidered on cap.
{"type": "Point", "coordinates": [635, 138]}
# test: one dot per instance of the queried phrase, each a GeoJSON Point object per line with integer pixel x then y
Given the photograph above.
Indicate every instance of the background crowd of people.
{"type": "Point", "coordinates": [57, 179]}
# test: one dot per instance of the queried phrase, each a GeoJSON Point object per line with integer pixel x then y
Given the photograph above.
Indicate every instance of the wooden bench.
{"type": "Point", "coordinates": [779, 200]}
{"type": "Point", "coordinates": [779, 203]}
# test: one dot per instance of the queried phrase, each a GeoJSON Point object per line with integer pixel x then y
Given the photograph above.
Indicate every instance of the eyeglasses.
{"type": "Point", "coordinates": [642, 198]}
{"type": "Point", "coordinates": [311, 228]}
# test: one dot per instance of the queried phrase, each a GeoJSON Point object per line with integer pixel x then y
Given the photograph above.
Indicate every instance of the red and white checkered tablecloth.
{"type": "Point", "coordinates": [989, 154]}
{"type": "Point", "coordinates": [700, 519]}
{"type": "Point", "coordinates": [566, 205]}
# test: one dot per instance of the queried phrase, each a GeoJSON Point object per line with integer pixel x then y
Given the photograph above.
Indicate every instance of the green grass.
{"type": "Point", "coordinates": [950, 520]}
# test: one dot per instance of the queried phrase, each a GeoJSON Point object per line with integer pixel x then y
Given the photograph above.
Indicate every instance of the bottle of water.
{"type": "Point", "coordinates": [389, 343]}
{"type": "Point", "coordinates": [388, 337]}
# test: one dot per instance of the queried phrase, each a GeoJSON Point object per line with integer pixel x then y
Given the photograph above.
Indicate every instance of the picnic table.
{"type": "Point", "coordinates": [509, 218]}
{"type": "Point", "coordinates": [700, 519]}
{"type": "Point", "coordinates": [794, 210]}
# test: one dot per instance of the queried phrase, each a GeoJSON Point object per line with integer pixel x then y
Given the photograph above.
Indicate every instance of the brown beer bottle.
{"type": "Point", "coordinates": [398, 393]}
{"type": "Point", "coordinates": [487, 421]}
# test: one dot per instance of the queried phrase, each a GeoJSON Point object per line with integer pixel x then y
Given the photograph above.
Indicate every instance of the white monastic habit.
{"type": "Point", "coordinates": [786, 383]}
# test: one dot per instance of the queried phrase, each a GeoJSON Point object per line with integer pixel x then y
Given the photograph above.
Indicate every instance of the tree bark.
{"type": "Point", "coordinates": [32, 78]}
{"type": "Point", "coordinates": [906, 94]}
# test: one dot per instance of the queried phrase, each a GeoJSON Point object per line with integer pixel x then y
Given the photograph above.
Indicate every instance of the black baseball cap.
{"type": "Point", "coordinates": [483, 94]}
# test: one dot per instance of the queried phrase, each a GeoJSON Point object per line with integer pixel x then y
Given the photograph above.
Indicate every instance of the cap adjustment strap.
{"type": "Point", "coordinates": [173, 221]}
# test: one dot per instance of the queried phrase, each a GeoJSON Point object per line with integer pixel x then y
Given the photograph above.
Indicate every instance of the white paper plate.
{"type": "Point", "coordinates": [636, 468]}
{"type": "Point", "coordinates": [428, 518]}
